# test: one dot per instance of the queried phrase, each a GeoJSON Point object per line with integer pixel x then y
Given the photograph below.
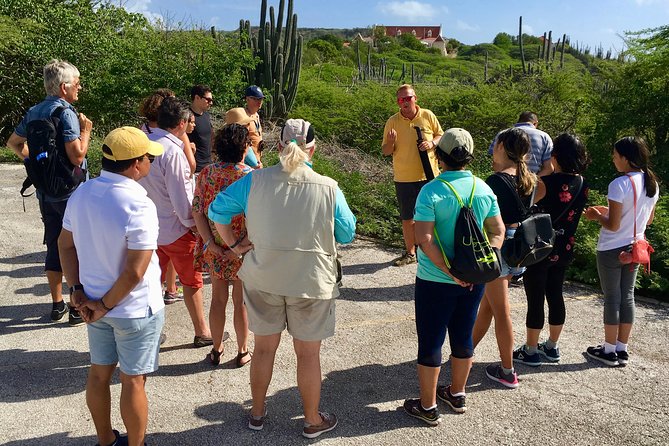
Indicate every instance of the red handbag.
{"type": "Point", "coordinates": [641, 249]}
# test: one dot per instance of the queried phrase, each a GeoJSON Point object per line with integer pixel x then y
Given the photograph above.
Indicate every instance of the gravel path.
{"type": "Point", "coordinates": [368, 368]}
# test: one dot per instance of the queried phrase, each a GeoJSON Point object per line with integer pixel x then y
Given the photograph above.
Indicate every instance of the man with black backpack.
{"type": "Point", "coordinates": [52, 139]}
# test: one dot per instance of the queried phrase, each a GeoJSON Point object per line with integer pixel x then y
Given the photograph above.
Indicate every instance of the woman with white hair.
{"type": "Point", "coordinates": [294, 218]}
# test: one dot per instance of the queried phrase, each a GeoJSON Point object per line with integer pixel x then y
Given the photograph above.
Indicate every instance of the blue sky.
{"type": "Point", "coordinates": [591, 22]}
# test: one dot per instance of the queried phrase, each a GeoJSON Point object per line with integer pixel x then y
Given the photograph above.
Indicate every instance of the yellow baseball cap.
{"type": "Point", "coordinates": [126, 143]}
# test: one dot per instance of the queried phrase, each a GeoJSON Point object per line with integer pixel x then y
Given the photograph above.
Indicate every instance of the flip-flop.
{"type": "Point", "coordinates": [240, 356]}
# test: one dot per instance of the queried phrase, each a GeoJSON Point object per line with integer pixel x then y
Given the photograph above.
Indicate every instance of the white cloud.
{"type": "Point", "coordinates": [463, 26]}
{"type": "Point", "coordinates": [142, 7]}
{"type": "Point", "coordinates": [527, 29]}
{"type": "Point", "coordinates": [413, 11]}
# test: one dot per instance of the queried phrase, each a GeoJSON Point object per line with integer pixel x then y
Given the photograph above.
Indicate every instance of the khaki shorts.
{"type": "Point", "coordinates": [306, 319]}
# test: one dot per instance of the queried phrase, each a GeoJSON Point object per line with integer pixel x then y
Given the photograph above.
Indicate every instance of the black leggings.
{"type": "Point", "coordinates": [544, 279]}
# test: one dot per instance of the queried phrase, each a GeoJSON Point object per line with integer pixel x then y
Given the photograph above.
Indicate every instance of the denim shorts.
{"type": "Point", "coordinates": [507, 270]}
{"type": "Point", "coordinates": [133, 343]}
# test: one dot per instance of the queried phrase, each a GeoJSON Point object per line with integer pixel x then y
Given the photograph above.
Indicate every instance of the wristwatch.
{"type": "Point", "coordinates": [77, 287]}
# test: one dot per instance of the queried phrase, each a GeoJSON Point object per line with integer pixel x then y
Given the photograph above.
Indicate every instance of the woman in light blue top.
{"type": "Point", "coordinates": [443, 302]}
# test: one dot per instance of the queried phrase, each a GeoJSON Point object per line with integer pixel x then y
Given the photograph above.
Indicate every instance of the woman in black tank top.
{"type": "Point", "coordinates": [511, 182]}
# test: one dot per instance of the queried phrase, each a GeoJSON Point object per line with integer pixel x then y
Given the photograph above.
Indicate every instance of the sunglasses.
{"type": "Point", "coordinates": [151, 158]}
{"type": "Point", "coordinates": [405, 99]}
{"type": "Point", "coordinates": [209, 100]}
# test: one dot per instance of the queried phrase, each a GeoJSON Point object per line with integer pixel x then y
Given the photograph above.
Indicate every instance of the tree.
{"type": "Point", "coordinates": [410, 41]}
{"type": "Point", "coordinates": [503, 40]}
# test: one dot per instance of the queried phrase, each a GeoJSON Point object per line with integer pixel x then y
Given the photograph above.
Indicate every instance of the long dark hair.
{"type": "Point", "coordinates": [517, 145]}
{"type": "Point", "coordinates": [570, 153]}
{"type": "Point", "coordinates": [635, 150]}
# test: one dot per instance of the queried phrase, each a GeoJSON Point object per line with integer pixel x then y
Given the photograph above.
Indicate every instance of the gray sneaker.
{"type": "Point", "coordinates": [329, 422]}
{"type": "Point", "coordinates": [405, 259]}
{"type": "Point", "coordinates": [495, 372]}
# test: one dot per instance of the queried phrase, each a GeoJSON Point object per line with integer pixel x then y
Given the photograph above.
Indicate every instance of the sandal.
{"type": "Point", "coordinates": [240, 356]}
{"type": "Point", "coordinates": [214, 357]}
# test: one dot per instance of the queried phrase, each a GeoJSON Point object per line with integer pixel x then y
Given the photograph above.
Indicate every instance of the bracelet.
{"type": "Point", "coordinates": [234, 245]}
{"type": "Point", "coordinates": [105, 306]}
{"type": "Point", "coordinates": [206, 244]}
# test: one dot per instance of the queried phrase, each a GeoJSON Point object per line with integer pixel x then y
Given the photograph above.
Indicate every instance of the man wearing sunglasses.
{"type": "Point", "coordinates": [400, 140]}
{"type": "Point", "coordinates": [108, 254]}
{"type": "Point", "coordinates": [201, 102]}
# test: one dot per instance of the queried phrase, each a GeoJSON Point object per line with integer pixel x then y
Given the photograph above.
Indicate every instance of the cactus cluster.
{"type": "Point", "coordinates": [278, 49]}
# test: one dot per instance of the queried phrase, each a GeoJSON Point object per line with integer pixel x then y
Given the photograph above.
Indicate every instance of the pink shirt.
{"type": "Point", "coordinates": [169, 186]}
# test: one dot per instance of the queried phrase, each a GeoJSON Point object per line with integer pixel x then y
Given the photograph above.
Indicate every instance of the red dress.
{"type": "Point", "coordinates": [213, 179]}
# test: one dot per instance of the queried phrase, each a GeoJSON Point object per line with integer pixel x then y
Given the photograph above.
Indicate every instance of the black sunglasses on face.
{"type": "Point", "coordinates": [151, 158]}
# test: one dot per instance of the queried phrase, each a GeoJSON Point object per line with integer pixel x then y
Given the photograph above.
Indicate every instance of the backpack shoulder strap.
{"type": "Point", "coordinates": [58, 111]}
{"type": "Point", "coordinates": [450, 186]}
{"type": "Point", "coordinates": [634, 191]}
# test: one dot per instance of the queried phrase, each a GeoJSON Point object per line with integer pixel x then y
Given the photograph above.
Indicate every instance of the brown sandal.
{"type": "Point", "coordinates": [214, 357]}
{"type": "Point", "coordinates": [240, 356]}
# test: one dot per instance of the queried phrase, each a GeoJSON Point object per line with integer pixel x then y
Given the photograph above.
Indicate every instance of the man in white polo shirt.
{"type": "Point", "coordinates": [107, 248]}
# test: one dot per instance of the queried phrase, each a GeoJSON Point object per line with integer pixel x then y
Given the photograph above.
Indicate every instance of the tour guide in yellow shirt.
{"type": "Point", "coordinates": [400, 141]}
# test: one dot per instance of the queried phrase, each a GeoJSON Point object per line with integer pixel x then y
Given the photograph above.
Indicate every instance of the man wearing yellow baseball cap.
{"type": "Point", "coordinates": [108, 254]}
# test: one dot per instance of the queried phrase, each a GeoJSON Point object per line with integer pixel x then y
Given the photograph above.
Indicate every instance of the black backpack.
{"type": "Point", "coordinates": [534, 238]}
{"type": "Point", "coordinates": [47, 165]}
{"type": "Point", "coordinates": [474, 261]}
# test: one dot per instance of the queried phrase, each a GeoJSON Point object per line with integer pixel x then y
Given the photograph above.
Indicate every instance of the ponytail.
{"type": "Point", "coordinates": [526, 179]}
{"type": "Point", "coordinates": [650, 182]}
{"type": "Point", "coordinates": [292, 157]}
{"type": "Point", "coordinates": [517, 145]}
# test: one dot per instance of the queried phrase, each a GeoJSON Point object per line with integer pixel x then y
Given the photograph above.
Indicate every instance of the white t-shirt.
{"type": "Point", "coordinates": [620, 191]}
{"type": "Point", "coordinates": [108, 216]}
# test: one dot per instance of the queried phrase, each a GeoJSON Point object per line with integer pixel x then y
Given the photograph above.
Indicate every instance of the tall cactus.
{"type": "Point", "coordinates": [279, 51]}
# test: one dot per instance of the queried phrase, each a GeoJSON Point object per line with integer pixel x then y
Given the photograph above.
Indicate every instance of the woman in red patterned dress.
{"type": "Point", "coordinates": [212, 255]}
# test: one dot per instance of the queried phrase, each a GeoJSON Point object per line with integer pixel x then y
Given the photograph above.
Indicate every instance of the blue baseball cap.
{"type": "Point", "coordinates": [254, 91]}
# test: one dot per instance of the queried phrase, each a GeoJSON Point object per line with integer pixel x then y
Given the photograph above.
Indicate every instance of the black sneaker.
{"type": "Point", "coordinates": [549, 354]}
{"type": "Point", "coordinates": [516, 281]}
{"type": "Point", "coordinates": [415, 409]}
{"type": "Point", "coordinates": [75, 318]}
{"type": "Point", "coordinates": [58, 312]}
{"type": "Point", "coordinates": [610, 359]}
{"type": "Point", "coordinates": [457, 403]}
{"type": "Point", "coordinates": [521, 355]}
{"type": "Point", "coordinates": [623, 357]}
